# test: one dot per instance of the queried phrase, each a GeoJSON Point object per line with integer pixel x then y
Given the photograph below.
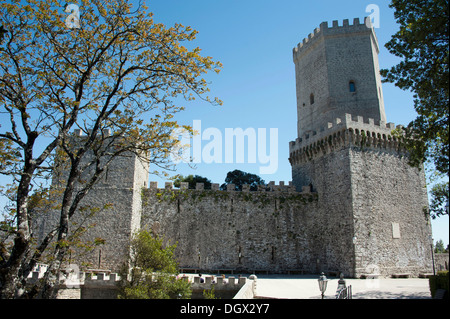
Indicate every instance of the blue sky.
{"type": "Point", "coordinates": [254, 40]}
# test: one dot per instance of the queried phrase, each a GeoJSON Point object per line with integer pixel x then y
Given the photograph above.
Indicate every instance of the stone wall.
{"type": "Point", "coordinates": [390, 209]}
{"type": "Point", "coordinates": [328, 175]}
{"type": "Point", "coordinates": [271, 231]}
{"type": "Point", "coordinates": [110, 211]}
{"type": "Point", "coordinates": [355, 205]}
{"type": "Point", "coordinates": [363, 179]}
{"type": "Point", "coordinates": [441, 261]}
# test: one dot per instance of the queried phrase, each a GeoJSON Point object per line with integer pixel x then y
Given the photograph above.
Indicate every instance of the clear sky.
{"type": "Point", "coordinates": [254, 40]}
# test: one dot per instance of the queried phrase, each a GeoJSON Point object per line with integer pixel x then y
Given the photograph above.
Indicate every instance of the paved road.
{"type": "Point", "coordinates": [306, 287]}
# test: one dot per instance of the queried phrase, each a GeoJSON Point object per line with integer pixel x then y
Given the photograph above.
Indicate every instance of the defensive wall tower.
{"type": "Point", "coordinates": [337, 72]}
{"type": "Point", "coordinates": [346, 152]}
{"type": "Point", "coordinates": [111, 210]}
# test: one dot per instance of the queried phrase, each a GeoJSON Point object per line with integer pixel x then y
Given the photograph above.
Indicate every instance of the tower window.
{"type": "Point", "coordinates": [352, 86]}
{"type": "Point", "coordinates": [311, 99]}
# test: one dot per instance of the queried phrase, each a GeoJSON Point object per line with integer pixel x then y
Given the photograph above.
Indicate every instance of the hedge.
{"type": "Point", "coordinates": [440, 281]}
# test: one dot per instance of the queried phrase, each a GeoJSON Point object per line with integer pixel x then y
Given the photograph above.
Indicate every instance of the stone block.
{"type": "Point", "coordinates": [200, 186]}
{"type": "Point", "coordinates": [184, 185]}
{"type": "Point", "coordinates": [168, 185]}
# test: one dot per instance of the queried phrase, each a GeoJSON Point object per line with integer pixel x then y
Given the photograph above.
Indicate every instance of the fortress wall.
{"type": "Point", "coordinates": [105, 213]}
{"type": "Point", "coordinates": [392, 227]}
{"type": "Point", "coordinates": [275, 231]}
{"type": "Point", "coordinates": [267, 231]}
{"type": "Point", "coordinates": [327, 173]}
{"type": "Point", "coordinates": [382, 200]}
{"type": "Point", "coordinates": [110, 211]}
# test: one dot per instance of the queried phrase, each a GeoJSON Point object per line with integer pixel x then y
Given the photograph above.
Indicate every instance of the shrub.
{"type": "Point", "coordinates": [440, 281]}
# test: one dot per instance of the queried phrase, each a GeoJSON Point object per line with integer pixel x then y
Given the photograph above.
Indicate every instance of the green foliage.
{"type": "Point", "coordinates": [423, 44]}
{"type": "Point", "coordinates": [192, 180]}
{"type": "Point", "coordinates": [151, 271]}
{"type": "Point", "coordinates": [239, 178]}
{"type": "Point", "coordinates": [439, 199]}
{"type": "Point", "coordinates": [440, 281]}
{"type": "Point", "coordinates": [209, 293]}
{"type": "Point", "coordinates": [439, 247]}
{"type": "Point", "coordinates": [118, 78]}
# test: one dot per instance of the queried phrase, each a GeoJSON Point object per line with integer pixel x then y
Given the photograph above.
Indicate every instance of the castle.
{"type": "Point", "coordinates": [354, 205]}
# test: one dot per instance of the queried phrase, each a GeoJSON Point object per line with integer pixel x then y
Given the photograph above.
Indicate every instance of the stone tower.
{"type": "Point", "coordinates": [337, 72]}
{"type": "Point", "coordinates": [115, 204]}
{"type": "Point", "coordinates": [376, 204]}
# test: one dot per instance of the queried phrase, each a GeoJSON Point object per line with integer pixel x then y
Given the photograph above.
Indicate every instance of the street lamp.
{"type": "Point", "coordinates": [432, 254]}
{"type": "Point", "coordinates": [322, 283]}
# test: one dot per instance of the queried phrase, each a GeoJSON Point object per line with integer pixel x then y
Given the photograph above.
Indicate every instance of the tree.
{"type": "Point", "coordinates": [439, 200]}
{"type": "Point", "coordinates": [114, 76]}
{"type": "Point", "coordinates": [2, 32]}
{"type": "Point", "coordinates": [192, 180]}
{"type": "Point", "coordinates": [151, 271]}
{"type": "Point", "coordinates": [439, 247]}
{"type": "Point", "coordinates": [239, 178]}
{"type": "Point", "coordinates": [423, 44]}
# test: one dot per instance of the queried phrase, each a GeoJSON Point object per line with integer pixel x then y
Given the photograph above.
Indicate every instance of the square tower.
{"type": "Point", "coordinates": [337, 72]}
{"type": "Point", "coordinates": [111, 209]}
{"type": "Point", "coordinates": [372, 204]}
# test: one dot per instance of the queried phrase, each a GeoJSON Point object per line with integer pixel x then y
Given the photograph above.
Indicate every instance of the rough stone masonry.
{"type": "Point", "coordinates": [354, 204]}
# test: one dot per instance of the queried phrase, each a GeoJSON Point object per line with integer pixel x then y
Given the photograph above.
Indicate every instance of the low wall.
{"type": "Point", "coordinates": [441, 261]}
{"type": "Point", "coordinates": [248, 291]}
{"type": "Point", "coordinates": [104, 285]}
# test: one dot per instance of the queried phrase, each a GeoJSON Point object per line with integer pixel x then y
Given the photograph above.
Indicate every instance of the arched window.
{"type": "Point", "coordinates": [351, 86]}
{"type": "Point", "coordinates": [311, 99]}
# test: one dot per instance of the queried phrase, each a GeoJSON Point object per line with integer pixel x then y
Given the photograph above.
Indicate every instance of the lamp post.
{"type": "Point", "coordinates": [432, 255]}
{"type": "Point", "coordinates": [354, 255]}
{"type": "Point", "coordinates": [322, 283]}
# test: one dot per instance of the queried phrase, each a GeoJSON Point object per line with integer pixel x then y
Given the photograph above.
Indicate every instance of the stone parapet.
{"type": "Point", "coordinates": [349, 130]}
{"type": "Point", "coordinates": [334, 30]}
{"type": "Point", "coordinates": [270, 187]}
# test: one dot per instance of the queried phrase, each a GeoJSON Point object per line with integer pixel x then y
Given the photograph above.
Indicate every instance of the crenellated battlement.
{"type": "Point", "coordinates": [350, 130]}
{"type": "Point", "coordinates": [358, 124]}
{"type": "Point", "coordinates": [70, 278]}
{"type": "Point", "coordinates": [97, 283]}
{"type": "Point", "coordinates": [217, 281]}
{"type": "Point", "coordinates": [270, 187]}
{"type": "Point", "coordinates": [335, 30]}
